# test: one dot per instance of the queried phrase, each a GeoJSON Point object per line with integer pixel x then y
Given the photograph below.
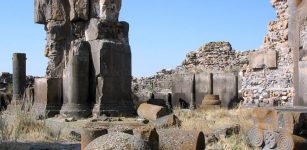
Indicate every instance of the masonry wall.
{"type": "Point", "coordinates": [266, 75]}
{"type": "Point", "coordinates": [268, 79]}
{"type": "Point", "coordinates": [214, 57]}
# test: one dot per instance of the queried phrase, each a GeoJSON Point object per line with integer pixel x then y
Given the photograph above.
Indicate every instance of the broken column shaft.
{"type": "Point", "coordinates": [19, 75]}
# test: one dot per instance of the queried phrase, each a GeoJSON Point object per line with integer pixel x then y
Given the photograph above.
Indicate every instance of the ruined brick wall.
{"type": "Point", "coordinates": [268, 79]}
{"type": "Point", "coordinates": [144, 86]}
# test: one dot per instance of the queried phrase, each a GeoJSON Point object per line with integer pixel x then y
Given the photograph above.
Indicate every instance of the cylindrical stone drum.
{"type": "Point", "coordinates": [151, 112]}
{"type": "Point", "coordinates": [90, 134]}
{"type": "Point", "coordinates": [181, 140]}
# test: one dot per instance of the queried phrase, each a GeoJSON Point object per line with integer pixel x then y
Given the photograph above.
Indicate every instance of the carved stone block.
{"type": "Point", "coordinates": [98, 29]}
{"type": "Point", "coordinates": [112, 70]}
{"type": "Point", "coordinates": [270, 59]}
{"type": "Point", "coordinates": [182, 90]}
{"type": "Point", "coordinates": [79, 10]}
{"type": "Point", "coordinates": [226, 86]}
{"type": "Point", "coordinates": [47, 97]}
{"type": "Point", "coordinates": [203, 86]}
{"type": "Point", "coordinates": [40, 7]}
{"type": "Point", "coordinates": [256, 60]}
{"type": "Point", "coordinates": [105, 9]}
{"type": "Point", "coordinates": [260, 59]}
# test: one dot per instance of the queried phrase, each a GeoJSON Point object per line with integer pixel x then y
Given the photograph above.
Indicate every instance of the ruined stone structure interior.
{"type": "Point", "coordinates": [89, 76]}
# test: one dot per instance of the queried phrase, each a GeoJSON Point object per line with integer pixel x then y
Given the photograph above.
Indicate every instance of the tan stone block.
{"type": "Point", "coordinates": [151, 112]}
{"type": "Point", "coordinates": [271, 59]}
{"type": "Point", "coordinates": [256, 60]}
{"type": "Point", "coordinates": [181, 140]}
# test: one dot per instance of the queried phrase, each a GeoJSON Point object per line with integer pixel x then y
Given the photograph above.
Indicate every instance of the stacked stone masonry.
{"type": "Point", "coordinates": [268, 76]}
{"type": "Point", "coordinates": [179, 82]}
{"type": "Point", "coordinates": [214, 57]}
{"type": "Point", "coordinates": [268, 79]}
{"type": "Point", "coordinates": [88, 50]}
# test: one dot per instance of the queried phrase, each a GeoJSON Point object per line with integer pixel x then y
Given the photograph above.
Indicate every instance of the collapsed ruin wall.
{"type": "Point", "coordinates": [215, 57]}
{"type": "Point", "coordinates": [268, 79]}
{"type": "Point", "coordinates": [265, 74]}
{"type": "Point", "coordinates": [202, 61]}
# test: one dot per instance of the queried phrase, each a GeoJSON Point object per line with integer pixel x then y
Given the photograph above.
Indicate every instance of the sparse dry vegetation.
{"type": "Point", "coordinates": [17, 124]}
{"type": "Point", "coordinates": [210, 120]}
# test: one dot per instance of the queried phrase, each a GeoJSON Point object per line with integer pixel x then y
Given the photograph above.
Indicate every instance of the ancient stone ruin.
{"type": "Point", "coordinates": [19, 75]}
{"type": "Point", "coordinates": [89, 76]}
{"type": "Point", "coordinates": [89, 68]}
{"type": "Point", "coordinates": [201, 74]}
{"type": "Point", "coordinates": [268, 76]}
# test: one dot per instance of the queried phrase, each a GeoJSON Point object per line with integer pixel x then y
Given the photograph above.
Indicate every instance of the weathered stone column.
{"type": "Point", "coordinates": [19, 75]}
{"type": "Point", "coordinates": [111, 59]}
{"type": "Point", "coordinates": [76, 81]}
{"type": "Point", "coordinates": [298, 44]}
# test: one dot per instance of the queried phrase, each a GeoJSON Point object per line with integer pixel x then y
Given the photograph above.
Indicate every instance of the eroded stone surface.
{"type": "Point", "coordinates": [118, 141]}
{"type": "Point", "coordinates": [79, 10]}
{"type": "Point", "coordinates": [101, 81]}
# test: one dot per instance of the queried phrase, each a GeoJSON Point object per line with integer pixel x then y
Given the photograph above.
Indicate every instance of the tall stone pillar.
{"type": "Point", "coordinates": [19, 75]}
{"type": "Point", "coordinates": [298, 44]}
{"type": "Point", "coordinates": [111, 59]}
{"type": "Point", "coordinates": [88, 48]}
{"type": "Point", "coordinates": [76, 82]}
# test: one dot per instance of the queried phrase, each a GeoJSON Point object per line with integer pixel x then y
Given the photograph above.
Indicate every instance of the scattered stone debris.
{"type": "Point", "coordinates": [152, 112]}
{"type": "Point", "coordinates": [71, 119]}
{"type": "Point", "coordinates": [149, 134]}
{"type": "Point", "coordinates": [181, 140]}
{"type": "Point", "coordinates": [275, 129]}
{"type": "Point", "coordinates": [121, 128]}
{"type": "Point", "coordinates": [167, 121]}
{"type": "Point", "coordinates": [89, 134]}
{"type": "Point", "coordinates": [221, 133]}
{"type": "Point", "coordinates": [118, 141]}
{"type": "Point", "coordinates": [89, 72]}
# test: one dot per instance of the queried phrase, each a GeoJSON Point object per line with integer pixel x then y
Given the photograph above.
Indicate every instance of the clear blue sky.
{"type": "Point", "coordinates": [161, 31]}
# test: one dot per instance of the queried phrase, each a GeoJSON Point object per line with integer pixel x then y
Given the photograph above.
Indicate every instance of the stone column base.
{"type": "Point", "coordinates": [76, 110]}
